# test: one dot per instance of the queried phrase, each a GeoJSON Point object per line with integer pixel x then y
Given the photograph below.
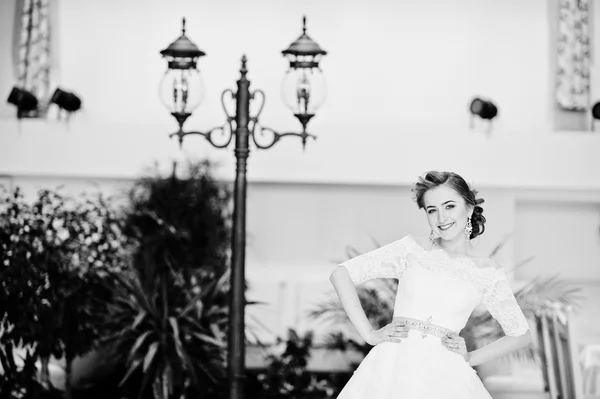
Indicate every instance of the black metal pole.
{"type": "Point", "coordinates": [236, 355]}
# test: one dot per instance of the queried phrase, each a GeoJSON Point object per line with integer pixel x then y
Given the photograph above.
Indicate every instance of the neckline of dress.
{"type": "Point", "coordinates": [463, 259]}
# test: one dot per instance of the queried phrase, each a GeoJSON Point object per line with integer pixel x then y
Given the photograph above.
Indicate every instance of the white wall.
{"type": "Point", "coordinates": [400, 74]}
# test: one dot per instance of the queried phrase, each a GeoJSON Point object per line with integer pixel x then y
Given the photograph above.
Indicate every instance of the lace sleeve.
{"type": "Point", "coordinates": [500, 301]}
{"type": "Point", "coordinates": [388, 261]}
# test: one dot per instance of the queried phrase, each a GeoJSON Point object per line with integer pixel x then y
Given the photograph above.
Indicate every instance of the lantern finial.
{"type": "Point", "coordinates": [183, 26]}
{"type": "Point", "coordinates": [244, 70]}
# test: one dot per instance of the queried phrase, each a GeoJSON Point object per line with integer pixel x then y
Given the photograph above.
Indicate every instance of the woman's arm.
{"type": "Point", "coordinates": [497, 349]}
{"type": "Point", "coordinates": [346, 291]}
{"type": "Point", "coordinates": [388, 261]}
{"type": "Point", "coordinates": [500, 301]}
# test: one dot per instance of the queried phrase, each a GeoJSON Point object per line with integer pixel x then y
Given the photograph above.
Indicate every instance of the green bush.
{"type": "Point", "coordinates": [54, 254]}
{"type": "Point", "coordinates": [286, 375]}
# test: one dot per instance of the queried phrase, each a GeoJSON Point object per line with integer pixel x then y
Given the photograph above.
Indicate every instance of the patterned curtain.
{"type": "Point", "coordinates": [573, 74]}
{"type": "Point", "coordinates": [32, 46]}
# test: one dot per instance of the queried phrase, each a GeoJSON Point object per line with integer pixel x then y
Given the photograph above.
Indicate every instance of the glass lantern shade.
{"type": "Point", "coordinates": [303, 88]}
{"type": "Point", "coordinates": [182, 90]}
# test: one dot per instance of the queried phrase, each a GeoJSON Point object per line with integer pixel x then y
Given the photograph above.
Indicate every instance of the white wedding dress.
{"type": "Point", "coordinates": [444, 290]}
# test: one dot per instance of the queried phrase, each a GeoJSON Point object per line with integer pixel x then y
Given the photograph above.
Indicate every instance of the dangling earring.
{"type": "Point", "coordinates": [432, 238]}
{"type": "Point", "coordinates": [468, 228]}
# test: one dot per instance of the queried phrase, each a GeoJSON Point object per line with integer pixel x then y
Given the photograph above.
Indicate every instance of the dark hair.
{"type": "Point", "coordinates": [457, 183]}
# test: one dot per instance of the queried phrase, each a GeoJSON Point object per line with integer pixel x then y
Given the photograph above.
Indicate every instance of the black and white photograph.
{"type": "Point", "coordinates": [299, 199]}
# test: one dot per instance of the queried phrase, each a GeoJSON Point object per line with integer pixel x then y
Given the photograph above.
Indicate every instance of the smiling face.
{"type": "Point", "coordinates": [446, 211]}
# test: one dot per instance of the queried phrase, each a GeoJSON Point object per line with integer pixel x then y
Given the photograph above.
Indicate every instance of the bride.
{"type": "Point", "coordinates": [419, 354]}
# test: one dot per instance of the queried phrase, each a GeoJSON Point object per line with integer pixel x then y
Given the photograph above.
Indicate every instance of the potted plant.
{"type": "Point", "coordinates": [167, 323]}
{"type": "Point", "coordinates": [169, 339]}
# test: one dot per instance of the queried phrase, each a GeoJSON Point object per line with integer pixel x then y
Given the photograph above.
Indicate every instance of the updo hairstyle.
{"type": "Point", "coordinates": [457, 183]}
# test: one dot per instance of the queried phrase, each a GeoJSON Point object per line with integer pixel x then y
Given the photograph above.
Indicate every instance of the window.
{"type": "Point", "coordinates": [570, 47]}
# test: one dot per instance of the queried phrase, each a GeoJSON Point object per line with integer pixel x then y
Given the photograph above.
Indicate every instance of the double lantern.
{"type": "Point", "coordinates": [303, 87]}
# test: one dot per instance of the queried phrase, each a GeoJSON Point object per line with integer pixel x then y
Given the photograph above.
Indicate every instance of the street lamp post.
{"type": "Point", "coordinates": [182, 90]}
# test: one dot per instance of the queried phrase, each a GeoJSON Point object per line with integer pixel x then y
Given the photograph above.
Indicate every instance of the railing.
{"type": "Point", "coordinates": [559, 353]}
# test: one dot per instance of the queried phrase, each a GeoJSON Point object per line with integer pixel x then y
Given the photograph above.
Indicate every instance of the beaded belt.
{"type": "Point", "coordinates": [426, 327]}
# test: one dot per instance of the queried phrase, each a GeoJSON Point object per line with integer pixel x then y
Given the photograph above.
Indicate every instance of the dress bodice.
{"type": "Point", "coordinates": [434, 286]}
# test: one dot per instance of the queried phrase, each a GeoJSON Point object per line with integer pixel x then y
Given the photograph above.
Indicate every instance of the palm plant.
{"type": "Point", "coordinates": [377, 298]}
{"type": "Point", "coordinates": [168, 322]}
{"type": "Point", "coordinates": [166, 335]}
{"type": "Point", "coordinates": [15, 380]}
{"type": "Point", "coordinates": [533, 298]}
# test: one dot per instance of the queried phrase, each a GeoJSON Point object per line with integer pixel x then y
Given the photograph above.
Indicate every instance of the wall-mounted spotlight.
{"type": "Point", "coordinates": [25, 101]}
{"type": "Point", "coordinates": [28, 105]}
{"type": "Point", "coordinates": [484, 109]}
{"type": "Point", "coordinates": [66, 100]}
{"type": "Point", "coordinates": [595, 114]}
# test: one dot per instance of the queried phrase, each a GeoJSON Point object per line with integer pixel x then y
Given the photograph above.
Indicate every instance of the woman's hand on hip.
{"type": "Point", "coordinates": [393, 332]}
{"type": "Point", "coordinates": [456, 343]}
